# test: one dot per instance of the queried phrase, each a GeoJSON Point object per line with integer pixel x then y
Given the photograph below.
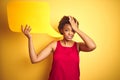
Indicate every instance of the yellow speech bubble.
{"type": "Point", "coordinates": [35, 14]}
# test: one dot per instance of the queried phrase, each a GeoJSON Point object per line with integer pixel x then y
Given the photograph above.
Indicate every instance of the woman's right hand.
{"type": "Point", "coordinates": [26, 31]}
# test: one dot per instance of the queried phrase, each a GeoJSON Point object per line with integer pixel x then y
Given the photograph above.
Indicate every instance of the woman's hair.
{"type": "Point", "coordinates": [63, 21]}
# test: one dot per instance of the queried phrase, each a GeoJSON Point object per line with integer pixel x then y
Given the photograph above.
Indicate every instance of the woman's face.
{"type": "Point", "coordinates": [68, 32]}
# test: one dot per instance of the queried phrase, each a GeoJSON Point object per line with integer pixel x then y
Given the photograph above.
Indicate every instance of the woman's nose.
{"type": "Point", "coordinates": [70, 32]}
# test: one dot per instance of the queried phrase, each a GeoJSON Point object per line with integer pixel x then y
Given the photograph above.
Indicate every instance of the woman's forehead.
{"type": "Point", "coordinates": [67, 26]}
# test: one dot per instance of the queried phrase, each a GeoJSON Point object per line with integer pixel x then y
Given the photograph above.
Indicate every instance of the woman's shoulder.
{"type": "Point", "coordinates": [54, 44]}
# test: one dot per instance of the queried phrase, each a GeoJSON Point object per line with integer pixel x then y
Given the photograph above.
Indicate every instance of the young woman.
{"type": "Point", "coordinates": [65, 64]}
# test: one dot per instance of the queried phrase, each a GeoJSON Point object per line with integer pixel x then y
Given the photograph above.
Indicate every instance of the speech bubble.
{"type": "Point", "coordinates": [36, 14]}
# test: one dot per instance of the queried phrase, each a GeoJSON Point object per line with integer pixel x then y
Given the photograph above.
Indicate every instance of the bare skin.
{"type": "Point", "coordinates": [68, 33]}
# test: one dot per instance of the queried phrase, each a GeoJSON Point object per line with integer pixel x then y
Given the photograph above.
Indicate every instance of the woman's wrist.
{"type": "Point", "coordinates": [29, 37]}
{"type": "Point", "coordinates": [77, 30]}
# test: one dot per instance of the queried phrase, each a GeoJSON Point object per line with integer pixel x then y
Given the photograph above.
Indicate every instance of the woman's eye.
{"type": "Point", "coordinates": [66, 30]}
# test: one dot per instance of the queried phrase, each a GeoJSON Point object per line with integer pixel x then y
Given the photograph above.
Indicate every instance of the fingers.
{"type": "Point", "coordinates": [71, 19]}
{"type": "Point", "coordinates": [26, 29]}
{"type": "Point", "coordinates": [29, 29]}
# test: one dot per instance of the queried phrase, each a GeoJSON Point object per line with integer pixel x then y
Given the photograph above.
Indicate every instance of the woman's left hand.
{"type": "Point", "coordinates": [74, 24]}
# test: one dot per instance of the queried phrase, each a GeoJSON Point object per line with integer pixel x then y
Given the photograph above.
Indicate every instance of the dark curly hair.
{"type": "Point", "coordinates": [65, 20]}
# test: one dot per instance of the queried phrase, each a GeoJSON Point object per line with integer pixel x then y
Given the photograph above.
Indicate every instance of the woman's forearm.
{"type": "Point", "coordinates": [89, 43]}
{"type": "Point", "coordinates": [32, 54]}
{"type": "Point", "coordinates": [87, 40]}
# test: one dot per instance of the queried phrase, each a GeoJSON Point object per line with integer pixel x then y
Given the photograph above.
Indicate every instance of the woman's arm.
{"type": "Point", "coordinates": [33, 56]}
{"type": "Point", "coordinates": [88, 44]}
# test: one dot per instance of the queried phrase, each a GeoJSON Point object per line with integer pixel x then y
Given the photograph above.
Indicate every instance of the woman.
{"type": "Point", "coordinates": [65, 64]}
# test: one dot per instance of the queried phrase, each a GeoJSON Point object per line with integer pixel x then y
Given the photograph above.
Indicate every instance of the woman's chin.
{"type": "Point", "coordinates": [69, 39]}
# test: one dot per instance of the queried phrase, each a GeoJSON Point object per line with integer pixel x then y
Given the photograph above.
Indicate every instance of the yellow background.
{"type": "Point", "coordinates": [100, 19]}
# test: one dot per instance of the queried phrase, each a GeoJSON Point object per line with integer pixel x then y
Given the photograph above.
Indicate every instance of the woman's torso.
{"type": "Point", "coordinates": [65, 63]}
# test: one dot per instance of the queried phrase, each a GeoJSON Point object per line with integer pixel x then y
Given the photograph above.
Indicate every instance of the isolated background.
{"type": "Point", "coordinates": [100, 19]}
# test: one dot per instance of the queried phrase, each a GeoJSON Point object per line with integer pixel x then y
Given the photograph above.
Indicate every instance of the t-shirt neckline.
{"type": "Point", "coordinates": [66, 46]}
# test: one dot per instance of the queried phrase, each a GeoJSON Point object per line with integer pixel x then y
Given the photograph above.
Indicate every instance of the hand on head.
{"type": "Point", "coordinates": [73, 23]}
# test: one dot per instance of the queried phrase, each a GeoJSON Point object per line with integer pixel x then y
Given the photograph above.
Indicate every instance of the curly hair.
{"type": "Point", "coordinates": [63, 21]}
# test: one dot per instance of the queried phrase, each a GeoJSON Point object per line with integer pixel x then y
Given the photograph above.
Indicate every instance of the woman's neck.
{"type": "Point", "coordinates": [66, 42]}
